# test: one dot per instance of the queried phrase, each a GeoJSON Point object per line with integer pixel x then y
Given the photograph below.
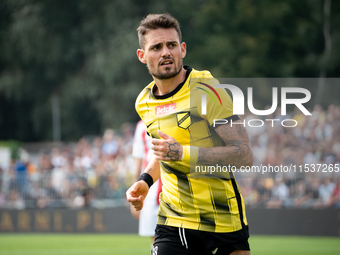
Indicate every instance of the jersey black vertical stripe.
{"type": "Point", "coordinates": [239, 202]}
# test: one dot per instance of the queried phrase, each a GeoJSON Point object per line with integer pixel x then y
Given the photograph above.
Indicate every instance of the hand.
{"type": "Point", "coordinates": [166, 149]}
{"type": "Point", "coordinates": [137, 193]}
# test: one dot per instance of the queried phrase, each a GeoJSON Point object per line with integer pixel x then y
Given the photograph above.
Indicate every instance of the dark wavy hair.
{"type": "Point", "coordinates": [155, 21]}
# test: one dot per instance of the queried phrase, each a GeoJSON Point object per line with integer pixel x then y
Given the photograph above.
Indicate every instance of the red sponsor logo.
{"type": "Point", "coordinates": [164, 109]}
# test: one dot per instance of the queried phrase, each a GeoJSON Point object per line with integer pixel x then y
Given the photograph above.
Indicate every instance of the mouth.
{"type": "Point", "coordinates": [166, 62]}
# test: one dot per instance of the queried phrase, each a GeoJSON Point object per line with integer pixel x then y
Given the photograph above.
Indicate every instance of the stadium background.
{"type": "Point", "coordinates": [68, 80]}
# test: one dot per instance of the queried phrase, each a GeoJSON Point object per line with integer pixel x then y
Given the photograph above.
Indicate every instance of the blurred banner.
{"type": "Point", "coordinates": [113, 220]}
{"type": "Point", "coordinates": [312, 222]}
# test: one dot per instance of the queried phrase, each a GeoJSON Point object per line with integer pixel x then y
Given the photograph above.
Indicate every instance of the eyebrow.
{"type": "Point", "coordinates": [157, 44]}
{"type": "Point", "coordinates": [172, 42]}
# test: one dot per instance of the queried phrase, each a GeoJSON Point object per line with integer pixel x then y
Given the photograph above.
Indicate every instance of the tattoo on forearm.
{"type": "Point", "coordinates": [149, 170]}
{"type": "Point", "coordinates": [173, 152]}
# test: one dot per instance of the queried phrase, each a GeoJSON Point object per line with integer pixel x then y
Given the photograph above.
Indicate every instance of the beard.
{"type": "Point", "coordinates": [168, 73]}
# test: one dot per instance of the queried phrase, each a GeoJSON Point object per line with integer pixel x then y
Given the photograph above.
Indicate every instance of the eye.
{"type": "Point", "coordinates": [156, 47]}
{"type": "Point", "coordinates": [172, 45]}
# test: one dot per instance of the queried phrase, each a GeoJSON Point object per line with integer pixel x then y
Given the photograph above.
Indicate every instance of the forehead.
{"type": "Point", "coordinates": [161, 35]}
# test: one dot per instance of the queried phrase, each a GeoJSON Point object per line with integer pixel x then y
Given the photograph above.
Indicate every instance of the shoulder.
{"type": "Point", "coordinates": [145, 93]}
{"type": "Point", "coordinates": [203, 82]}
{"type": "Point", "coordinates": [197, 77]}
{"type": "Point", "coordinates": [200, 74]}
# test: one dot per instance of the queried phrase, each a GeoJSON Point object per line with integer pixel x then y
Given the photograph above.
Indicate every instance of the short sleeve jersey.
{"type": "Point", "coordinates": [208, 204]}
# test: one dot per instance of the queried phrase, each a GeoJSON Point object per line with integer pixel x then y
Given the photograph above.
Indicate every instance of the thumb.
{"type": "Point", "coordinates": [135, 188]}
{"type": "Point", "coordinates": [163, 135]}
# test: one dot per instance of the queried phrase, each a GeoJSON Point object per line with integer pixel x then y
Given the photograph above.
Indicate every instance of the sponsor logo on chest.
{"type": "Point", "coordinates": [165, 109]}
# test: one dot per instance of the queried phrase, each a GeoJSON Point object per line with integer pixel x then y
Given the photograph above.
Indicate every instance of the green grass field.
{"type": "Point", "coordinates": [107, 244]}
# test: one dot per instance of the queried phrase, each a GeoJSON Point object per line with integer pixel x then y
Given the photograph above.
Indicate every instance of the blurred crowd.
{"type": "Point", "coordinates": [315, 140]}
{"type": "Point", "coordinates": [96, 171]}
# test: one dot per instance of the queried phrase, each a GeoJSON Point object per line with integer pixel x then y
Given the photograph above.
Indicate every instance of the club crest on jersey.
{"type": "Point", "coordinates": [165, 109]}
{"type": "Point", "coordinates": [183, 119]}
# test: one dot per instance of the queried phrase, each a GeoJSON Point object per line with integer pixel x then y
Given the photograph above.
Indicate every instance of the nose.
{"type": "Point", "coordinates": [165, 52]}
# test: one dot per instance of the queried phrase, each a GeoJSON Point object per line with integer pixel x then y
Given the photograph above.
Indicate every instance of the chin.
{"type": "Point", "coordinates": [165, 76]}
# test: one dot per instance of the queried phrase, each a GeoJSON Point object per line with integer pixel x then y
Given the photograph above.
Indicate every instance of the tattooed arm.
{"type": "Point", "coordinates": [237, 153]}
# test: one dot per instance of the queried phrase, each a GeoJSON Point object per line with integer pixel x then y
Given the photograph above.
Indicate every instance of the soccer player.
{"type": "Point", "coordinates": [196, 215]}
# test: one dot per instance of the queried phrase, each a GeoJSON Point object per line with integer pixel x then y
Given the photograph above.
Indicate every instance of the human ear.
{"type": "Point", "coordinates": [141, 56]}
{"type": "Point", "coordinates": [183, 49]}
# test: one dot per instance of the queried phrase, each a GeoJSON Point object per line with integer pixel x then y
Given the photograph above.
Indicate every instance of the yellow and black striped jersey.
{"type": "Point", "coordinates": [208, 204]}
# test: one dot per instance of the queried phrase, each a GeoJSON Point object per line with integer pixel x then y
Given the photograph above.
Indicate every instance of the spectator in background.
{"type": "Point", "coordinates": [312, 191]}
{"type": "Point", "coordinates": [57, 159]}
{"type": "Point", "coordinates": [127, 138]}
{"type": "Point", "coordinates": [82, 194]}
{"type": "Point", "coordinates": [83, 198]}
{"type": "Point", "coordinates": [110, 145]}
{"type": "Point", "coordinates": [262, 191]}
{"type": "Point", "coordinates": [96, 151]}
{"type": "Point", "coordinates": [86, 159]}
{"type": "Point", "coordinates": [326, 190]}
{"type": "Point", "coordinates": [59, 181]}
{"type": "Point", "coordinates": [280, 194]}
{"type": "Point", "coordinates": [82, 155]}
{"type": "Point", "coordinates": [299, 196]}
{"type": "Point", "coordinates": [45, 163]}
{"type": "Point", "coordinates": [20, 168]}
{"type": "Point", "coordinates": [334, 199]}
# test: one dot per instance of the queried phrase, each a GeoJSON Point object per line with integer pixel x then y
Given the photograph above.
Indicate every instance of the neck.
{"type": "Point", "coordinates": [165, 86]}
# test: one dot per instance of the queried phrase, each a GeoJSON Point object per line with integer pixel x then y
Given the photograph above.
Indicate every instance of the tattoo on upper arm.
{"type": "Point", "coordinates": [237, 152]}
